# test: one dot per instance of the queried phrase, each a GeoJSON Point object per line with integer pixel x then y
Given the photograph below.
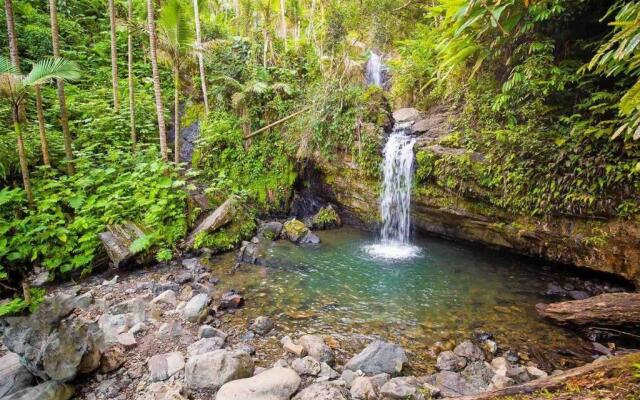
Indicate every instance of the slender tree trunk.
{"type": "Point", "coordinates": [22, 156]}
{"type": "Point", "coordinates": [64, 118]}
{"type": "Point", "coordinates": [26, 290]}
{"type": "Point", "coordinates": [312, 16]}
{"type": "Point", "coordinates": [11, 32]}
{"type": "Point", "coordinates": [283, 23]}
{"type": "Point", "coordinates": [236, 8]}
{"type": "Point", "coordinates": [156, 80]}
{"type": "Point", "coordinates": [203, 77]}
{"type": "Point", "coordinates": [132, 94]}
{"type": "Point", "coordinates": [176, 112]}
{"type": "Point", "coordinates": [114, 56]}
{"type": "Point", "coordinates": [43, 134]}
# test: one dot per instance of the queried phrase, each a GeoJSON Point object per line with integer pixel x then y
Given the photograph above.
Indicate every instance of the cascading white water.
{"type": "Point", "coordinates": [395, 200]}
{"type": "Point", "coordinates": [374, 70]}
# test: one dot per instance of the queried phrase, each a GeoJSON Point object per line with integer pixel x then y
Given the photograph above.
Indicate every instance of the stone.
{"type": "Point", "coordinates": [349, 376]}
{"type": "Point", "coordinates": [164, 391]}
{"type": "Point", "coordinates": [578, 294]}
{"type": "Point", "coordinates": [196, 307]}
{"type": "Point", "coordinates": [327, 372]}
{"type": "Point", "coordinates": [449, 361]}
{"type": "Point", "coordinates": [501, 381]}
{"type": "Point", "coordinates": [117, 242]}
{"type": "Point", "coordinates": [191, 263]}
{"type": "Point", "coordinates": [41, 279]}
{"type": "Point", "coordinates": [214, 369]}
{"type": "Point", "coordinates": [362, 389]}
{"type": "Point", "coordinates": [536, 373]}
{"type": "Point", "coordinates": [49, 390]}
{"type": "Point", "coordinates": [452, 384]}
{"type": "Point", "coordinates": [306, 366]}
{"type": "Point", "coordinates": [127, 339]}
{"type": "Point", "coordinates": [251, 253]}
{"type": "Point", "coordinates": [170, 329]}
{"type": "Point", "coordinates": [13, 375]}
{"type": "Point", "coordinates": [110, 282]}
{"type": "Point", "coordinates": [404, 387]}
{"type": "Point", "coordinates": [379, 380]}
{"type": "Point", "coordinates": [183, 277]}
{"type": "Point", "coordinates": [207, 331]}
{"type": "Point", "coordinates": [478, 375]}
{"type": "Point", "coordinates": [205, 345]}
{"type": "Point", "coordinates": [406, 115]}
{"type": "Point", "coordinates": [112, 359]}
{"type": "Point", "coordinates": [218, 218]}
{"type": "Point", "coordinates": [164, 366]}
{"type": "Point", "coordinates": [326, 218]}
{"type": "Point", "coordinates": [166, 297]}
{"type": "Point", "coordinates": [293, 348]}
{"type": "Point", "coordinates": [138, 328]}
{"type": "Point", "coordinates": [295, 230]}
{"type": "Point", "coordinates": [469, 351]}
{"type": "Point", "coordinates": [262, 325]}
{"type": "Point", "coordinates": [379, 357]}
{"type": "Point", "coordinates": [273, 384]}
{"type": "Point", "coordinates": [157, 288]}
{"type": "Point", "coordinates": [270, 230]}
{"type": "Point", "coordinates": [317, 348]}
{"type": "Point", "coordinates": [322, 391]}
{"type": "Point", "coordinates": [309, 238]}
{"type": "Point", "coordinates": [490, 347]}
{"type": "Point", "coordinates": [231, 300]}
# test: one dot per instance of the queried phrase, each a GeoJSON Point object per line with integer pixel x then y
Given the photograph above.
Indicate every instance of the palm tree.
{"type": "Point", "coordinates": [14, 87]}
{"type": "Point", "coordinates": [153, 42]}
{"type": "Point", "coordinates": [203, 77]}
{"type": "Point", "coordinates": [114, 56]}
{"type": "Point", "coordinates": [44, 143]}
{"type": "Point", "coordinates": [132, 98]}
{"type": "Point", "coordinates": [176, 41]}
{"type": "Point", "coordinates": [11, 33]}
{"type": "Point", "coordinates": [64, 118]}
{"type": "Point", "coordinates": [283, 22]}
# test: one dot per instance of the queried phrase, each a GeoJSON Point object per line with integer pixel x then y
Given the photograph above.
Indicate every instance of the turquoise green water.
{"type": "Point", "coordinates": [442, 295]}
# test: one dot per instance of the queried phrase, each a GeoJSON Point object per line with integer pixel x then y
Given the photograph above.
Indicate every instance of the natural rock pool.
{"type": "Point", "coordinates": [442, 295]}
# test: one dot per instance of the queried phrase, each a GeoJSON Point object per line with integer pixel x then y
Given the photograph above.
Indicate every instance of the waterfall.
{"type": "Point", "coordinates": [395, 199]}
{"type": "Point", "coordinates": [374, 70]}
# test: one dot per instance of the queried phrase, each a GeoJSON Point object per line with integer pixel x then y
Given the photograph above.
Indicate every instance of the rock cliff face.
{"type": "Point", "coordinates": [611, 246]}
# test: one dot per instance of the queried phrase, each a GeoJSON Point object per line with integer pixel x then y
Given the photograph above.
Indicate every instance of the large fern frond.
{"type": "Point", "coordinates": [52, 68]}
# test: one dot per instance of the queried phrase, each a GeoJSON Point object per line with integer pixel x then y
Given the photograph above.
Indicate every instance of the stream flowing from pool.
{"type": "Point", "coordinates": [442, 294]}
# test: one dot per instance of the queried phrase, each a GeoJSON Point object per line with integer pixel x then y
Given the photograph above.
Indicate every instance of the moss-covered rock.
{"type": "Point", "coordinates": [326, 218]}
{"type": "Point", "coordinates": [241, 227]}
{"type": "Point", "coordinates": [295, 230]}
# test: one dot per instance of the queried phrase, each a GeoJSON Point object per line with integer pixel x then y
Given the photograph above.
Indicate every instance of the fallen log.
{"type": "Point", "coordinates": [217, 219]}
{"type": "Point", "coordinates": [611, 309]}
{"type": "Point", "coordinates": [117, 241]}
{"type": "Point", "coordinates": [558, 381]}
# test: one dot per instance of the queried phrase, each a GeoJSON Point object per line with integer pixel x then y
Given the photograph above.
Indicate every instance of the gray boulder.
{"type": "Point", "coordinates": [13, 375]}
{"type": "Point", "coordinates": [273, 384]}
{"type": "Point", "coordinates": [50, 390]}
{"type": "Point", "coordinates": [406, 115]}
{"type": "Point", "coordinates": [449, 361]}
{"type": "Point", "coordinates": [262, 325]}
{"type": "Point", "coordinates": [218, 218]}
{"type": "Point", "coordinates": [214, 369]}
{"type": "Point", "coordinates": [251, 253]}
{"type": "Point", "coordinates": [270, 230]}
{"type": "Point", "coordinates": [322, 391]}
{"type": "Point", "coordinates": [405, 387]}
{"type": "Point", "coordinates": [363, 389]}
{"type": "Point", "coordinates": [205, 345]}
{"type": "Point", "coordinates": [379, 357]}
{"type": "Point", "coordinates": [478, 376]}
{"type": "Point", "coordinates": [306, 366]}
{"type": "Point", "coordinates": [194, 309]}
{"type": "Point", "coordinates": [317, 348]}
{"type": "Point", "coordinates": [163, 366]}
{"type": "Point", "coordinates": [469, 351]}
{"type": "Point", "coordinates": [452, 384]}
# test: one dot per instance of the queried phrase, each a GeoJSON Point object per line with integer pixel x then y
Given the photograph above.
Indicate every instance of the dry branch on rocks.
{"type": "Point", "coordinates": [611, 309]}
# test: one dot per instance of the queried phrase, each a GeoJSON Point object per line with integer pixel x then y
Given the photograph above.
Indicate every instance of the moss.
{"type": "Point", "coordinates": [295, 229]}
{"type": "Point", "coordinates": [242, 227]}
{"type": "Point", "coordinates": [326, 218]}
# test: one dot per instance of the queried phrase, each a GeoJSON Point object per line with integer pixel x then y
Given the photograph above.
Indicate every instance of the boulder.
{"type": "Point", "coordinates": [306, 366]}
{"type": "Point", "coordinates": [327, 373]}
{"type": "Point", "coordinates": [262, 325]}
{"type": "Point", "coordinates": [452, 384]}
{"type": "Point", "coordinates": [207, 331]}
{"type": "Point", "coordinates": [117, 242]}
{"type": "Point", "coordinates": [251, 253]}
{"type": "Point", "coordinates": [196, 307]}
{"type": "Point", "coordinates": [231, 300]}
{"type": "Point", "coordinates": [50, 390]}
{"type": "Point", "coordinates": [478, 376]}
{"type": "Point", "coordinates": [112, 359]}
{"type": "Point", "coordinates": [405, 387]}
{"type": "Point", "coordinates": [326, 218]}
{"type": "Point", "coordinates": [214, 369]}
{"type": "Point", "coordinates": [379, 357]}
{"type": "Point", "coordinates": [406, 115]}
{"type": "Point", "coordinates": [166, 297]}
{"type": "Point", "coordinates": [163, 366]}
{"type": "Point", "coordinates": [126, 339]}
{"type": "Point", "coordinates": [205, 345]}
{"type": "Point", "coordinates": [449, 361]}
{"type": "Point", "coordinates": [469, 351]}
{"type": "Point", "coordinates": [293, 348]}
{"type": "Point", "coordinates": [309, 238]}
{"type": "Point", "coordinates": [217, 219]}
{"type": "Point", "coordinates": [295, 230]}
{"type": "Point", "coordinates": [322, 391]}
{"type": "Point", "coordinates": [363, 389]}
{"type": "Point", "coordinates": [13, 375]}
{"type": "Point", "coordinates": [273, 384]}
{"type": "Point", "coordinates": [317, 348]}
{"type": "Point", "coordinates": [270, 230]}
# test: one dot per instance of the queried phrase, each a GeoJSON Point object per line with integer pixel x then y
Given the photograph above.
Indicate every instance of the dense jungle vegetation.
{"type": "Point", "coordinates": [547, 90]}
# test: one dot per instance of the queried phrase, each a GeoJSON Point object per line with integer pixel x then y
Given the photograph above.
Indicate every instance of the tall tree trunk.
{"type": "Point", "coordinates": [176, 112]}
{"type": "Point", "coordinates": [156, 80]}
{"type": "Point", "coordinates": [203, 78]}
{"type": "Point", "coordinates": [43, 134]}
{"type": "Point", "coordinates": [132, 95]}
{"type": "Point", "coordinates": [22, 156]}
{"type": "Point", "coordinates": [283, 23]}
{"type": "Point", "coordinates": [114, 56]}
{"type": "Point", "coordinates": [236, 8]}
{"type": "Point", "coordinates": [312, 16]}
{"type": "Point", "coordinates": [11, 32]}
{"type": "Point", "coordinates": [64, 118]}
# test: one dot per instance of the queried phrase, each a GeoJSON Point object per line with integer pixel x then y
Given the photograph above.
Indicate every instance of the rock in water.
{"type": "Point", "coordinates": [406, 115]}
{"type": "Point", "coordinates": [13, 375]}
{"type": "Point", "coordinates": [220, 217]}
{"type": "Point", "coordinates": [326, 218]}
{"type": "Point", "coordinates": [262, 325]}
{"type": "Point", "coordinates": [317, 348]}
{"type": "Point", "coordinates": [273, 384]}
{"type": "Point", "coordinates": [322, 391]}
{"type": "Point", "coordinates": [309, 238]}
{"type": "Point", "coordinates": [251, 253]}
{"type": "Point", "coordinates": [379, 357]}
{"type": "Point", "coordinates": [163, 366]}
{"type": "Point", "coordinates": [231, 300]}
{"type": "Point", "coordinates": [295, 230]}
{"type": "Point", "coordinates": [50, 390]}
{"type": "Point", "coordinates": [117, 241]}
{"type": "Point", "coordinates": [214, 369]}
{"type": "Point", "coordinates": [270, 230]}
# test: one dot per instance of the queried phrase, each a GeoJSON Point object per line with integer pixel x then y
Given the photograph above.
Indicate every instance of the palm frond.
{"type": "Point", "coordinates": [52, 68]}
{"type": "Point", "coordinates": [6, 67]}
{"type": "Point", "coordinates": [175, 25]}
